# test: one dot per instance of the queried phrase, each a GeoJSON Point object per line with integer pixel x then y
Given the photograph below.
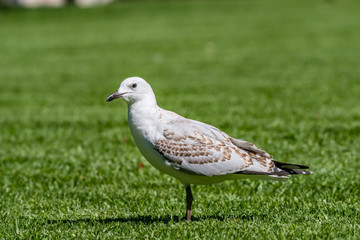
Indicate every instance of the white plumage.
{"type": "Point", "coordinates": [192, 151]}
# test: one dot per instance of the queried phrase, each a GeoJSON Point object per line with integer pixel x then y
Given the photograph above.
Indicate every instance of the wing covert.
{"type": "Point", "coordinates": [203, 159]}
{"type": "Point", "coordinates": [202, 149]}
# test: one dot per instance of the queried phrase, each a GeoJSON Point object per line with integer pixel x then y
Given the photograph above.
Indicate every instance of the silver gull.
{"type": "Point", "coordinates": [191, 151]}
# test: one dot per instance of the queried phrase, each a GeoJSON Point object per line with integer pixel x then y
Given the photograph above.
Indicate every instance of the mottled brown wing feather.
{"type": "Point", "coordinates": [211, 159]}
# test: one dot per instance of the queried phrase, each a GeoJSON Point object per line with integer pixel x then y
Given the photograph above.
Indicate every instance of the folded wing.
{"type": "Point", "coordinates": [202, 149]}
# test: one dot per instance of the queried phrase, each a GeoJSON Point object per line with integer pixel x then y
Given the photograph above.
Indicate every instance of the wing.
{"type": "Point", "coordinates": [192, 125]}
{"type": "Point", "coordinates": [202, 149]}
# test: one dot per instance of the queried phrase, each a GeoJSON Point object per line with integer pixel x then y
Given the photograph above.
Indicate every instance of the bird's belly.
{"type": "Point", "coordinates": [153, 156]}
{"type": "Point", "coordinates": [149, 152]}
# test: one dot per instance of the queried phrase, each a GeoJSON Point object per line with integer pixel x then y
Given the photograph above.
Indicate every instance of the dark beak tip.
{"type": "Point", "coordinates": [109, 99]}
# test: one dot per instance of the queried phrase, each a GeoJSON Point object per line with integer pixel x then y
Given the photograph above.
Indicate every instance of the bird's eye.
{"type": "Point", "coordinates": [134, 85]}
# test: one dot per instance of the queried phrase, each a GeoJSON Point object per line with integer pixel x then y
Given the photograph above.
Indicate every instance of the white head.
{"type": "Point", "coordinates": [133, 90]}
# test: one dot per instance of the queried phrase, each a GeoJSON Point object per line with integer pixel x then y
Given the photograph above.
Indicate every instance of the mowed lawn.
{"type": "Point", "coordinates": [284, 75]}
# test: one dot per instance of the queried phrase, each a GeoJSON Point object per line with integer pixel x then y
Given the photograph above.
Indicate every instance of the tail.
{"type": "Point", "coordinates": [292, 168]}
{"type": "Point", "coordinates": [282, 171]}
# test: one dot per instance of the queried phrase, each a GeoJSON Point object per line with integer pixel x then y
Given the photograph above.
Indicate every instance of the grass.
{"type": "Point", "coordinates": [284, 75]}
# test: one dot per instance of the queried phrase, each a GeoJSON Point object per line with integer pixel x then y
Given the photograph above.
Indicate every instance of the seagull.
{"type": "Point", "coordinates": [191, 151]}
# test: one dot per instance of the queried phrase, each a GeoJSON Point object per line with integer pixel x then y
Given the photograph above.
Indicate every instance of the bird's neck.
{"type": "Point", "coordinates": [142, 117]}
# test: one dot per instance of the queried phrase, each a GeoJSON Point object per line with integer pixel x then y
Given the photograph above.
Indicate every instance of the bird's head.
{"type": "Point", "coordinates": [132, 90]}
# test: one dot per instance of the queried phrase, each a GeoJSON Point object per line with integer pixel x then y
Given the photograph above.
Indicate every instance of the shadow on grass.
{"type": "Point", "coordinates": [148, 219]}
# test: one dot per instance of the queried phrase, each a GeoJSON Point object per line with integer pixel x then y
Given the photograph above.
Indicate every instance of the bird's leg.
{"type": "Point", "coordinates": [189, 199]}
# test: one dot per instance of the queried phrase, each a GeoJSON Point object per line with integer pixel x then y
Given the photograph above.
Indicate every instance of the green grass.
{"type": "Point", "coordinates": [283, 75]}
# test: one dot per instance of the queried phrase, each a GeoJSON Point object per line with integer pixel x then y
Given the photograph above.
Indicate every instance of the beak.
{"type": "Point", "coordinates": [114, 95]}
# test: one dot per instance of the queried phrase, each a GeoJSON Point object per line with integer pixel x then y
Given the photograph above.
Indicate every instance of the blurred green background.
{"type": "Point", "coordinates": [281, 74]}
